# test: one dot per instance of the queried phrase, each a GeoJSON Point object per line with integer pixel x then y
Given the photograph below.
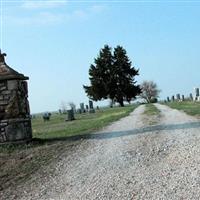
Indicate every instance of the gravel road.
{"type": "Point", "coordinates": [131, 160]}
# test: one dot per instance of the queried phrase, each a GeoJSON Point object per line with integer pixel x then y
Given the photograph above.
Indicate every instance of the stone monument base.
{"type": "Point", "coordinates": [15, 130]}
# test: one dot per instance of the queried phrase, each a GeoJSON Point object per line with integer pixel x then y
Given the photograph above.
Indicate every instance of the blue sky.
{"type": "Point", "coordinates": [54, 43]}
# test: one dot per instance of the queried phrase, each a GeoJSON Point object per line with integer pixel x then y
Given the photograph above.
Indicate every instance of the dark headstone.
{"type": "Point", "coordinates": [70, 115]}
{"type": "Point", "coordinates": [196, 92]}
{"type": "Point", "coordinates": [172, 98]}
{"type": "Point", "coordinates": [183, 98]}
{"type": "Point", "coordinates": [91, 104]}
{"type": "Point", "coordinates": [178, 97]}
{"type": "Point", "coordinates": [191, 97]}
{"type": "Point", "coordinates": [82, 107]}
{"type": "Point", "coordinates": [91, 108]}
{"type": "Point", "coordinates": [46, 116]}
{"type": "Point", "coordinates": [168, 100]}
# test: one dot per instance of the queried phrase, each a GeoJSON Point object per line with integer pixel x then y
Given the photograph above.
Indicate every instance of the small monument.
{"type": "Point", "coordinates": [196, 93]}
{"type": "Point", "coordinates": [168, 100]}
{"type": "Point", "coordinates": [87, 108]}
{"type": "Point", "coordinates": [91, 107]}
{"type": "Point", "coordinates": [15, 119]}
{"type": "Point", "coordinates": [183, 98]}
{"type": "Point", "coordinates": [82, 107]}
{"type": "Point", "coordinates": [70, 115]}
{"type": "Point", "coordinates": [178, 97]}
{"type": "Point", "coordinates": [191, 97]}
{"type": "Point", "coordinates": [173, 98]}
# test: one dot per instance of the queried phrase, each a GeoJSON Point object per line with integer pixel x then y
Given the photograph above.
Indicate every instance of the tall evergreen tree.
{"type": "Point", "coordinates": [124, 75]}
{"type": "Point", "coordinates": [99, 75]}
{"type": "Point", "coordinates": [112, 77]}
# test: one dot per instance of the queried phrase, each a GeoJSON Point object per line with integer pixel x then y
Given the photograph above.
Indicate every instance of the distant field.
{"type": "Point", "coordinates": [191, 108]}
{"type": "Point", "coordinates": [84, 123]}
{"type": "Point", "coordinates": [19, 162]}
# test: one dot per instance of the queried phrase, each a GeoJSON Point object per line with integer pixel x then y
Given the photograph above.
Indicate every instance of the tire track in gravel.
{"type": "Point", "coordinates": [157, 164]}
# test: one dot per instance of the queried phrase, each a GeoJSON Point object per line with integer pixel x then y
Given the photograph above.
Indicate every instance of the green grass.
{"type": "Point", "coordinates": [190, 107]}
{"type": "Point", "coordinates": [151, 110]}
{"type": "Point", "coordinates": [151, 114]}
{"type": "Point", "coordinates": [84, 123]}
{"type": "Point", "coordinates": [19, 162]}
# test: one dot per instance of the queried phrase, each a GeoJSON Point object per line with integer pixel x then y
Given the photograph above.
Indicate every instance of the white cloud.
{"type": "Point", "coordinates": [43, 18]}
{"type": "Point", "coordinates": [49, 17]}
{"type": "Point", "coordinates": [42, 4]}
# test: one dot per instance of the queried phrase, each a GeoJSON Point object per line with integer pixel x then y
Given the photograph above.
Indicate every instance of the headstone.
{"type": "Point", "coordinates": [91, 104]}
{"type": "Point", "coordinates": [15, 118]}
{"type": "Point", "coordinates": [183, 98]}
{"type": "Point", "coordinates": [172, 98]}
{"type": "Point", "coordinates": [46, 116]}
{"type": "Point", "coordinates": [196, 92]}
{"type": "Point", "coordinates": [168, 100]}
{"type": "Point", "coordinates": [82, 107]}
{"type": "Point", "coordinates": [191, 97]}
{"type": "Point", "coordinates": [178, 97]}
{"type": "Point", "coordinates": [87, 108]}
{"type": "Point", "coordinates": [91, 108]}
{"type": "Point", "coordinates": [70, 115]}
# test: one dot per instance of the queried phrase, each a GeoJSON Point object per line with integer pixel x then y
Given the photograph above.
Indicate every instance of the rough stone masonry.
{"type": "Point", "coordinates": [15, 120]}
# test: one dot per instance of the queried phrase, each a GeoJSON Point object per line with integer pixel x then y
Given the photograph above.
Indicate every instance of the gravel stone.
{"type": "Point", "coordinates": [162, 163]}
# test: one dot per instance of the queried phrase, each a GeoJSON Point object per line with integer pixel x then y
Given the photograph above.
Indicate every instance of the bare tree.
{"type": "Point", "coordinates": [150, 91]}
{"type": "Point", "coordinates": [63, 107]}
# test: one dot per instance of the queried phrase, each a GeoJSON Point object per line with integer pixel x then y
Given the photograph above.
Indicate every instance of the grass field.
{"type": "Point", "coordinates": [19, 162]}
{"type": "Point", "coordinates": [190, 107]}
{"type": "Point", "coordinates": [84, 123]}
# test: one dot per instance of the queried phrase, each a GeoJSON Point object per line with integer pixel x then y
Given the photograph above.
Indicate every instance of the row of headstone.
{"type": "Point", "coordinates": [86, 108]}
{"type": "Point", "coordinates": [180, 98]}
{"type": "Point", "coordinates": [82, 109]}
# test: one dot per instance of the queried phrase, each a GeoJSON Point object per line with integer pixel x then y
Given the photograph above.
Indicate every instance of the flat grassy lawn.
{"type": "Point", "coordinates": [151, 110]}
{"type": "Point", "coordinates": [190, 107]}
{"type": "Point", "coordinates": [19, 162]}
{"type": "Point", "coordinates": [84, 123]}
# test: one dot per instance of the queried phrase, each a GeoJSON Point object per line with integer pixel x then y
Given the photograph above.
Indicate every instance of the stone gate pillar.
{"type": "Point", "coordinates": [15, 120]}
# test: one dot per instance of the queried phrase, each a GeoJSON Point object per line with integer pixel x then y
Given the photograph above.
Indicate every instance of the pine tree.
{"type": "Point", "coordinates": [99, 75]}
{"type": "Point", "coordinates": [112, 77]}
{"type": "Point", "coordinates": [124, 75]}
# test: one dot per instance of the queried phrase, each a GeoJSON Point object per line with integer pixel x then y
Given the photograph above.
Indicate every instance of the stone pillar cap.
{"type": "Point", "coordinates": [7, 73]}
